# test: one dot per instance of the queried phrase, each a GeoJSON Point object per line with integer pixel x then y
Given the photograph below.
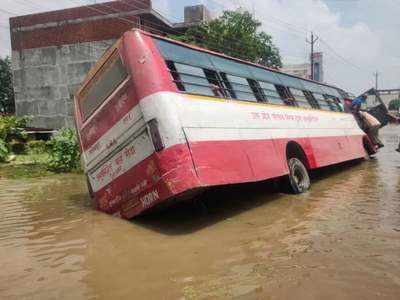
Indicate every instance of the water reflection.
{"type": "Point", "coordinates": [40, 254]}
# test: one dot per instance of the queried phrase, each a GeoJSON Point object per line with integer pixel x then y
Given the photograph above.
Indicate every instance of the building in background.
{"type": "Point", "coordinates": [300, 70]}
{"type": "Point", "coordinates": [304, 70]}
{"type": "Point", "coordinates": [318, 67]}
{"type": "Point", "coordinates": [388, 95]}
{"type": "Point", "coordinates": [53, 51]}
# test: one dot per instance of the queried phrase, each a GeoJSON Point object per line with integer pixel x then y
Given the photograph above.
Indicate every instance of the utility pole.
{"type": "Point", "coordinates": [312, 42]}
{"type": "Point", "coordinates": [376, 79]}
{"type": "Point", "coordinates": [376, 74]}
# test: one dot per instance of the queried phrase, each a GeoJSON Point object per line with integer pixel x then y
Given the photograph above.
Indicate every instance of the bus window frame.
{"type": "Point", "coordinates": [286, 95]}
{"type": "Point", "coordinates": [333, 101]}
{"type": "Point", "coordinates": [176, 78]}
{"type": "Point", "coordinates": [268, 98]}
{"type": "Point", "coordinates": [314, 103]}
{"type": "Point", "coordinates": [227, 79]}
{"type": "Point", "coordinates": [215, 80]}
{"type": "Point", "coordinates": [186, 84]}
{"type": "Point", "coordinates": [324, 99]}
{"type": "Point", "coordinates": [257, 90]}
{"type": "Point", "coordinates": [292, 89]}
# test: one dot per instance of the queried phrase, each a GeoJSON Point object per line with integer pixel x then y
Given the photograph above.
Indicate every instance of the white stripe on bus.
{"type": "Point", "coordinates": [221, 121]}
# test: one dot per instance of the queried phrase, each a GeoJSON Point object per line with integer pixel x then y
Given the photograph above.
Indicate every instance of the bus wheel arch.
{"type": "Point", "coordinates": [298, 180]}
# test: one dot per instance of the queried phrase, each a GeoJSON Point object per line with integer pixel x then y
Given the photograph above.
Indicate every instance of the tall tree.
{"type": "Point", "coordinates": [235, 34]}
{"type": "Point", "coordinates": [7, 104]}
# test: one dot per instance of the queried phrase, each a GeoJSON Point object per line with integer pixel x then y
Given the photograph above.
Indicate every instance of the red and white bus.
{"type": "Point", "coordinates": [160, 120]}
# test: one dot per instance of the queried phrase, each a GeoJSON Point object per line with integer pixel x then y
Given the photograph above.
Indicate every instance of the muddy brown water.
{"type": "Point", "coordinates": [341, 240]}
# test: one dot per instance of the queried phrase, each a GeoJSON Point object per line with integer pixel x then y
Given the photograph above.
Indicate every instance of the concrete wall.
{"type": "Point", "coordinates": [300, 70]}
{"type": "Point", "coordinates": [45, 80]}
{"type": "Point", "coordinates": [196, 13]}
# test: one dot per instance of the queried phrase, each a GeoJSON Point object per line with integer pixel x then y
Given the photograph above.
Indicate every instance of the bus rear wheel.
{"type": "Point", "coordinates": [298, 178]}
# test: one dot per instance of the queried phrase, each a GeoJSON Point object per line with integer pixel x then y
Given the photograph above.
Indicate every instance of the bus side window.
{"type": "Point", "coordinates": [322, 103]}
{"type": "Point", "coordinates": [300, 98]}
{"type": "Point", "coordinates": [311, 99]}
{"type": "Point", "coordinates": [256, 88]}
{"type": "Point", "coordinates": [270, 93]}
{"type": "Point", "coordinates": [227, 85]}
{"type": "Point", "coordinates": [333, 103]}
{"type": "Point", "coordinates": [239, 87]}
{"type": "Point", "coordinates": [175, 75]}
{"type": "Point", "coordinates": [285, 95]}
{"type": "Point", "coordinates": [193, 79]}
{"type": "Point", "coordinates": [215, 81]}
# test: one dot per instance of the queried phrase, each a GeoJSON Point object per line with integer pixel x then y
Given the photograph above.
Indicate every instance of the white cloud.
{"type": "Point", "coordinates": [366, 43]}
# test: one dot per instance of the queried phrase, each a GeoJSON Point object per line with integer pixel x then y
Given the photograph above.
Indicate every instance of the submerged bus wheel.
{"type": "Point", "coordinates": [299, 180]}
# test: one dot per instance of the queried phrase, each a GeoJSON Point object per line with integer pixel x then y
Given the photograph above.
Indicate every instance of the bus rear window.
{"type": "Point", "coordinates": [102, 85]}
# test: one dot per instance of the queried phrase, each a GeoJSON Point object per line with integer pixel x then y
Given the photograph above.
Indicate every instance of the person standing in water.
{"type": "Point", "coordinates": [368, 122]}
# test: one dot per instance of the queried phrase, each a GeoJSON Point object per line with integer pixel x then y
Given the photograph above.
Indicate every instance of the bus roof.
{"type": "Point", "coordinates": [231, 58]}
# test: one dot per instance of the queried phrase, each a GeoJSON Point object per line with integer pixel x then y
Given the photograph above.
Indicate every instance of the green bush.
{"type": "Point", "coordinates": [394, 104]}
{"type": "Point", "coordinates": [11, 127]}
{"type": "Point", "coordinates": [37, 147]}
{"type": "Point", "coordinates": [64, 155]}
{"type": "Point", "coordinates": [17, 147]}
{"type": "Point", "coordinates": [3, 150]}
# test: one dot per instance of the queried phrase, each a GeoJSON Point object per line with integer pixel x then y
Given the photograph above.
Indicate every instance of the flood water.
{"type": "Point", "coordinates": [341, 240]}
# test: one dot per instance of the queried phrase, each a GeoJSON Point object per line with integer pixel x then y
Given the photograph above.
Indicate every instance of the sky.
{"type": "Point", "coordinates": [357, 37]}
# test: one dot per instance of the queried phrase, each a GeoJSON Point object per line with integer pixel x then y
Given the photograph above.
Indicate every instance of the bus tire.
{"type": "Point", "coordinates": [298, 178]}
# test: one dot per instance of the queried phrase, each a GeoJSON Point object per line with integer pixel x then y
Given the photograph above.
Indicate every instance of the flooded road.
{"type": "Point", "coordinates": [341, 240]}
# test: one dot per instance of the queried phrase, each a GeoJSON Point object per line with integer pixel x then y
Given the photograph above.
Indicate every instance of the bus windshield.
{"type": "Point", "coordinates": [102, 85]}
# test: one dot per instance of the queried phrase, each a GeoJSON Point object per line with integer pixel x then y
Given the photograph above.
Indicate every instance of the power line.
{"type": "Point", "coordinates": [291, 28]}
{"type": "Point", "coordinates": [341, 57]}
{"type": "Point", "coordinates": [152, 28]}
{"type": "Point", "coordinates": [267, 21]}
{"type": "Point", "coordinates": [301, 29]}
{"type": "Point", "coordinates": [198, 39]}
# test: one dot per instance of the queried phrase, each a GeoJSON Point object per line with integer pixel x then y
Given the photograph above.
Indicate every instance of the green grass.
{"type": "Point", "coordinates": [26, 166]}
{"type": "Point", "coordinates": [30, 165]}
{"type": "Point", "coordinates": [18, 171]}
{"type": "Point", "coordinates": [31, 159]}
